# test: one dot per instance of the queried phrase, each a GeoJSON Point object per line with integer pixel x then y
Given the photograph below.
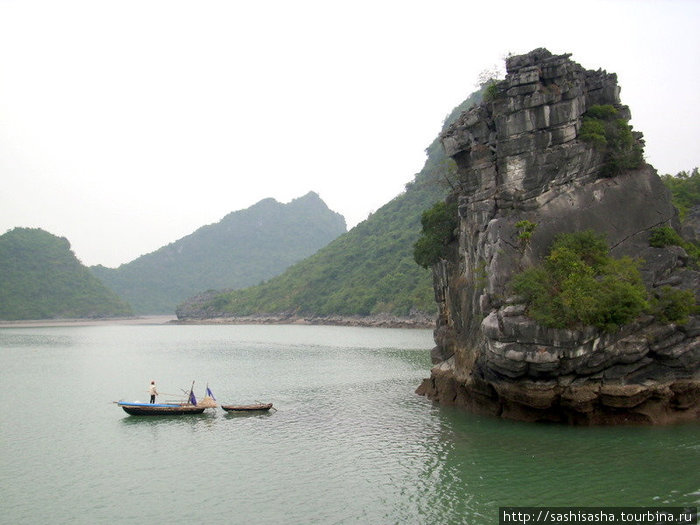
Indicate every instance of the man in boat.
{"type": "Point", "coordinates": [152, 390]}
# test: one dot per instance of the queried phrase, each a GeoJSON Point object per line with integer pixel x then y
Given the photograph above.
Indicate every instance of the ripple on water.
{"type": "Point", "coordinates": [350, 441]}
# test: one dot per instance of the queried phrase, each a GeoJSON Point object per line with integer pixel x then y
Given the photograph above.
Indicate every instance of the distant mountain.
{"type": "Point", "coordinates": [369, 270]}
{"type": "Point", "coordinates": [244, 248]}
{"type": "Point", "coordinates": [40, 278]}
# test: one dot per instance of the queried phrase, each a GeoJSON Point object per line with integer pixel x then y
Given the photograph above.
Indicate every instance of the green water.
{"type": "Point", "coordinates": [350, 442]}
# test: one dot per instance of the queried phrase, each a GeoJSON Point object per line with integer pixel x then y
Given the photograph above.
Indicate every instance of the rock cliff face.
{"type": "Point", "coordinates": [520, 157]}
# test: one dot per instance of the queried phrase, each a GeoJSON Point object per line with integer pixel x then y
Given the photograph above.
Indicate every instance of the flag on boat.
{"type": "Point", "coordinates": [193, 400]}
{"type": "Point", "coordinates": [210, 394]}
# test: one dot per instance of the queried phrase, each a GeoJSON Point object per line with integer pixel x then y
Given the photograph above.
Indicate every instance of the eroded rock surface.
{"type": "Point", "coordinates": [519, 158]}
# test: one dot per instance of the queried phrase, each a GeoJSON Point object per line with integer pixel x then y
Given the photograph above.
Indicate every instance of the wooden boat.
{"type": "Point", "coordinates": [258, 407]}
{"type": "Point", "coordinates": [171, 409]}
{"type": "Point", "coordinates": [160, 409]}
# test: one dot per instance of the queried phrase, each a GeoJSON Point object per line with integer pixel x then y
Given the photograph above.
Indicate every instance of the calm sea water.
{"type": "Point", "coordinates": [350, 442]}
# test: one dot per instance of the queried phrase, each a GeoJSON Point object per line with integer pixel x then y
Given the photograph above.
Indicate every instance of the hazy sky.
{"type": "Point", "coordinates": [125, 125]}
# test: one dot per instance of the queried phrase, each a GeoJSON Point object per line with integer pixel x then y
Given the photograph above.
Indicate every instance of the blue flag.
{"type": "Point", "coordinates": [193, 400]}
{"type": "Point", "coordinates": [210, 394]}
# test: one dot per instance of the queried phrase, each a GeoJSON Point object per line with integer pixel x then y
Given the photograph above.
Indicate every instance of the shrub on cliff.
{"type": "Point", "coordinates": [685, 190]}
{"type": "Point", "coordinates": [604, 129]}
{"type": "Point", "coordinates": [667, 236]}
{"type": "Point", "coordinates": [439, 223]}
{"type": "Point", "coordinates": [579, 284]}
{"type": "Point", "coordinates": [671, 305]}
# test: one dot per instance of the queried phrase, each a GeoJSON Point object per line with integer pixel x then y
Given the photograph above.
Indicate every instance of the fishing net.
{"type": "Point", "coordinates": [207, 402]}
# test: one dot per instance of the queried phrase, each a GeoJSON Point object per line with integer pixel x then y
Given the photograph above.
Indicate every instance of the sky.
{"type": "Point", "coordinates": [126, 125]}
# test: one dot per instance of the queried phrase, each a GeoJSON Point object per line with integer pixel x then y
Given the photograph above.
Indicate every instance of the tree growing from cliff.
{"type": "Point", "coordinates": [667, 236]}
{"type": "Point", "coordinates": [603, 127]}
{"type": "Point", "coordinates": [439, 223]}
{"type": "Point", "coordinates": [579, 284]}
{"type": "Point", "coordinates": [685, 190]}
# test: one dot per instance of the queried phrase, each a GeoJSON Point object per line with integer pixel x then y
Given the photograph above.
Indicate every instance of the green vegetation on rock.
{"type": "Point", "coordinates": [603, 127]}
{"type": "Point", "coordinates": [579, 284]}
{"type": "Point", "coordinates": [671, 305]}
{"type": "Point", "coordinates": [685, 195]}
{"type": "Point", "coordinates": [525, 230]}
{"type": "Point", "coordinates": [439, 223]}
{"type": "Point", "coordinates": [667, 236]}
{"type": "Point", "coordinates": [40, 278]}
{"type": "Point", "coordinates": [685, 190]}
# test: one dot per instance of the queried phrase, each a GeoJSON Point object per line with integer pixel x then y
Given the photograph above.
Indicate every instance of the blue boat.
{"type": "Point", "coordinates": [171, 409]}
{"type": "Point", "coordinates": [160, 409]}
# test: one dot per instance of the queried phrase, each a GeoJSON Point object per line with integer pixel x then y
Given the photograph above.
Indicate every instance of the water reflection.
{"type": "Point", "coordinates": [351, 442]}
{"type": "Point", "coordinates": [500, 462]}
{"type": "Point", "coordinates": [35, 339]}
{"type": "Point", "coordinates": [189, 419]}
{"type": "Point", "coordinates": [248, 414]}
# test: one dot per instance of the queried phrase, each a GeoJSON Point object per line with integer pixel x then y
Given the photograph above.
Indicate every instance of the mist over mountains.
{"type": "Point", "coordinates": [295, 258]}
{"type": "Point", "coordinates": [369, 271]}
{"type": "Point", "coordinates": [243, 249]}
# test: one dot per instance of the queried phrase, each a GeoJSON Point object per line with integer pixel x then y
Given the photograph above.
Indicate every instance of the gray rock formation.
{"type": "Point", "coordinates": [519, 158]}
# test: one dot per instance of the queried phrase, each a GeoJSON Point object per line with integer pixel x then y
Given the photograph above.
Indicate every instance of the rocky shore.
{"type": "Point", "coordinates": [377, 321]}
{"type": "Point", "coordinates": [422, 321]}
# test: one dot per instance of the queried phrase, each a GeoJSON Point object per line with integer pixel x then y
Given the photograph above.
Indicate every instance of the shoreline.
{"type": "Point", "coordinates": [371, 321]}
{"type": "Point", "coordinates": [376, 321]}
{"type": "Point", "coordinates": [140, 320]}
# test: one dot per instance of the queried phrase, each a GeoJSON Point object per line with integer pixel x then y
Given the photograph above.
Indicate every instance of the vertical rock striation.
{"type": "Point", "coordinates": [519, 157]}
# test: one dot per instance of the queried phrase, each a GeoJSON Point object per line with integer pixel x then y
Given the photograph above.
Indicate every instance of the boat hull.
{"type": "Point", "coordinates": [147, 409]}
{"type": "Point", "coordinates": [261, 407]}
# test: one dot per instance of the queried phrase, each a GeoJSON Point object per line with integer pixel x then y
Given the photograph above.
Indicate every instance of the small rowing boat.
{"type": "Point", "coordinates": [171, 409]}
{"type": "Point", "coordinates": [160, 409]}
{"type": "Point", "coordinates": [259, 407]}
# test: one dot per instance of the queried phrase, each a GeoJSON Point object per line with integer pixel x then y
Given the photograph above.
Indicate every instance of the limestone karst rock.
{"type": "Point", "coordinates": [520, 157]}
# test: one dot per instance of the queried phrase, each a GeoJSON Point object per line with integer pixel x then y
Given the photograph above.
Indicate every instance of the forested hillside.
{"type": "Point", "coordinates": [685, 191]}
{"type": "Point", "coordinates": [369, 270]}
{"type": "Point", "coordinates": [40, 278]}
{"type": "Point", "coordinates": [243, 249]}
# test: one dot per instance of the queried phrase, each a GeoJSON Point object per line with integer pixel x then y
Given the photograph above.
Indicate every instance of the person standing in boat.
{"type": "Point", "coordinates": [152, 390]}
